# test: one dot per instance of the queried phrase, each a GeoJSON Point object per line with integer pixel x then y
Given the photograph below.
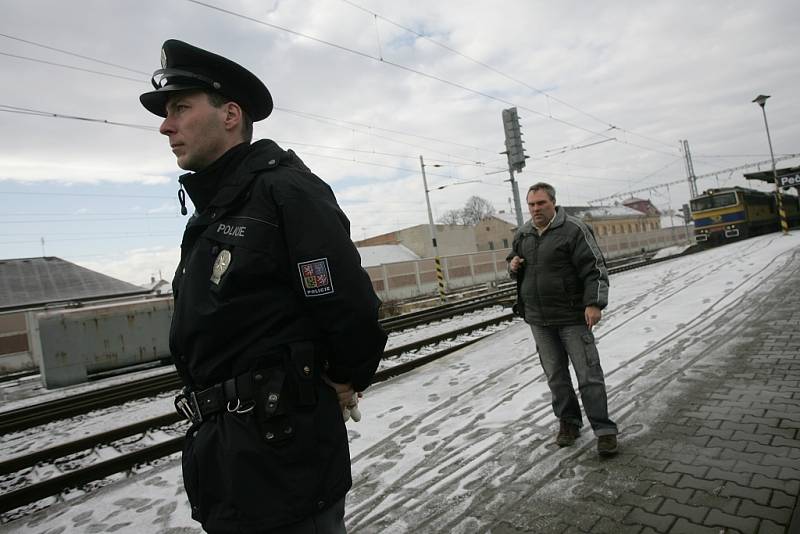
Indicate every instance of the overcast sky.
{"type": "Point", "coordinates": [604, 91]}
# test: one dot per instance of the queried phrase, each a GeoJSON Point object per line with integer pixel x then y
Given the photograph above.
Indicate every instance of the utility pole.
{"type": "Point", "coordinates": [515, 154]}
{"type": "Point", "coordinates": [439, 274]}
{"type": "Point", "coordinates": [515, 190]}
{"type": "Point", "coordinates": [761, 100]}
{"type": "Point", "coordinates": [689, 168]}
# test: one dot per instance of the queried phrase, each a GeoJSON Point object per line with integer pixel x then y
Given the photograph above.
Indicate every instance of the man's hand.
{"type": "Point", "coordinates": [592, 315]}
{"type": "Point", "coordinates": [344, 392]}
{"type": "Point", "coordinates": [515, 263]}
{"type": "Point", "coordinates": [348, 399]}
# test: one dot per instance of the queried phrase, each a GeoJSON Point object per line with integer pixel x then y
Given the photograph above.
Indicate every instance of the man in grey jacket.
{"type": "Point", "coordinates": [562, 288]}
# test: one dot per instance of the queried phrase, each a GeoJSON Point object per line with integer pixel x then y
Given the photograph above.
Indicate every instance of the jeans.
{"type": "Point", "coordinates": [557, 346]}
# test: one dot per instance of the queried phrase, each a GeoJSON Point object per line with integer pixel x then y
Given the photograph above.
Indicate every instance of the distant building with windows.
{"type": "Point", "coordinates": [623, 229]}
{"type": "Point", "coordinates": [640, 204]}
{"type": "Point", "coordinates": [616, 220]}
{"type": "Point", "coordinates": [495, 231]}
{"type": "Point", "coordinates": [450, 239]}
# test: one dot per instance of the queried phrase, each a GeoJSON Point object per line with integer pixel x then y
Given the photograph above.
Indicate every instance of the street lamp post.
{"type": "Point", "coordinates": [761, 100]}
{"type": "Point", "coordinates": [439, 273]}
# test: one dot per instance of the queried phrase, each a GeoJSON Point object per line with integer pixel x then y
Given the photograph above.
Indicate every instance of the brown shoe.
{"type": "Point", "coordinates": [607, 445]}
{"type": "Point", "coordinates": [567, 434]}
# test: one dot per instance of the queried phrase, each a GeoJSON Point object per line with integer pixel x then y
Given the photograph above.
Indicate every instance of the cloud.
{"type": "Point", "coordinates": [76, 172]}
{"type": "Point", "coordinates": [138, 266]}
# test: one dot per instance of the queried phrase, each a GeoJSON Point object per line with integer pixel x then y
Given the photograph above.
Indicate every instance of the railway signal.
{"type": "Point", "coordinates": [515, 153]}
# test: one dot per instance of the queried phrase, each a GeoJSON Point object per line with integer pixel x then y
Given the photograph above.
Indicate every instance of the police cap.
{"type": "Point", "coordinates": [184, 66]}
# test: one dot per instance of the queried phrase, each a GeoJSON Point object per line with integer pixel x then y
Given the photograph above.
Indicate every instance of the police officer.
{"type": "Point", "coordinates": [275, 327]}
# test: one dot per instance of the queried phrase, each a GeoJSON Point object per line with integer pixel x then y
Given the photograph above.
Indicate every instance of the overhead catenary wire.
{"type": "Point", "coordinates": [100, 73]}
{"type": "Point", "coordinates": [503, 74]}
{"type": "Point", "coordinates": [698, 177]}
{"type": "Point", "coordinates": [50, 114]}
{"type": "Point", "coordinates": [74, 54]}
{"type": "Point", "coordinates": [379, 128]}
{"type": "Point", "coordinates": [299, 113]}
{"type": "Point", "coordinates": [420, 73]}
{"type": "Point", "coordinates": [277, 108]}
{"type": "Point", "coordinates": [94, 237]}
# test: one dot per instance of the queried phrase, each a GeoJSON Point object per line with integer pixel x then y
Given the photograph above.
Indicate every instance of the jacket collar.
{"type": "Point", "coordinates": [234, 172]}
{"type": "Point", "coordinates": [263, 155]}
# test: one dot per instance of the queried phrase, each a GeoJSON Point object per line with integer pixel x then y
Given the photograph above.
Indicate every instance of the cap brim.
{"type": "Point", "coordinates": [156, 101]}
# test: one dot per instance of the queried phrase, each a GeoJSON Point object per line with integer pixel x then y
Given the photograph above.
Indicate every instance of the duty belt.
{"type": "Point", "coordinates": [254, 390]}
{"type": "Point", "coordinates": [235, 395]}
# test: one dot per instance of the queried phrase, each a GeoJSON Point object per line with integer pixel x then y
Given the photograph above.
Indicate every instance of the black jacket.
{"type": "Point", "coordinates": [286, 271]}
{"type": "Point", "coordinates": [564, 271]}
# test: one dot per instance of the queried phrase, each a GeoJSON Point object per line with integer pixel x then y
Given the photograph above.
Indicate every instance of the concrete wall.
{"type": "Point", "coordinates": [71, 344]}
{"type": "Point", "coordinates": [492, 233]}
{"type": "Point", "coordinates": [409, 279]}
{"type": "Point", "coordinates": [451, 239]}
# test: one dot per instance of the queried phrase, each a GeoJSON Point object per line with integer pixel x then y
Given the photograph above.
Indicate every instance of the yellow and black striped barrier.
{"type": "Point", "coordinates": [782, 214]}
{"type": "Point", "coordinates": [440, 278]}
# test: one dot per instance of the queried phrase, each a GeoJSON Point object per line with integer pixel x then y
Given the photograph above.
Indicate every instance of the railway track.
{"type": "Point", "coordinates": [36, 491]}
{"type": "Point", "coordinates": [48, 411]}
{"type": "Point", "coordinates": [53, 410]}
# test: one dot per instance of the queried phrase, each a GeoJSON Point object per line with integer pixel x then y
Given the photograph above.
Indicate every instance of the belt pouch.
{"type": "Point", "coordinates": [274, 423]}
{"type": "Point", "coordinates": [269, 388]}
{"type": "Point", "coordinates": [304, 370]}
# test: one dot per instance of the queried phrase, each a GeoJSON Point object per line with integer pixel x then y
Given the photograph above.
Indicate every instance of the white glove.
{"type": "Point", "coordinates": [351, 411]}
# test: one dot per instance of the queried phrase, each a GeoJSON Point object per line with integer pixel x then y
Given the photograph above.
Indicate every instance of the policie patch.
{"type": "Point", "coordinates": [315, 276]}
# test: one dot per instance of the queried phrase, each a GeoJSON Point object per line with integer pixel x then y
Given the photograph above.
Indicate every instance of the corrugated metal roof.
{"type": "Point", "coordinates": [32, 282]}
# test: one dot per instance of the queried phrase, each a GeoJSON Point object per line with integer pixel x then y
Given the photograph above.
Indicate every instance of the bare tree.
{"type": "Point", "coordinates": [476, 209]}
{"type": "Point", "coordinates": [451, 217]}
{"type": "Point", "coordinates": [473, 211]}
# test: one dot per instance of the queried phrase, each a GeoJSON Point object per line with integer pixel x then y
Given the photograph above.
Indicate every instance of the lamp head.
{"type": "Point", "coordinates": [761, 100]}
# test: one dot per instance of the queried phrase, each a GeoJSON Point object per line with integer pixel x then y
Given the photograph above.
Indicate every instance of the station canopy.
{"type": "Point", "coordinates": [788, 177]}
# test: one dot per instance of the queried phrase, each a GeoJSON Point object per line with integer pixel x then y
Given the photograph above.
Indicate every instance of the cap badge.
{"type": "Point", "coordinates": [220, 265]}
{"type": "Point", "coordinates": [163, 58]}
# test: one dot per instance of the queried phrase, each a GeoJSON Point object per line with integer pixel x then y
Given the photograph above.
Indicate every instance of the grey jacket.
{"type": "Point", "coordinates": [564, 271]}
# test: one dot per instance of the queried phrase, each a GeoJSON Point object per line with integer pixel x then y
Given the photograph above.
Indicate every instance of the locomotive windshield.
{"type": "Point", "coordinates": [708, 202]}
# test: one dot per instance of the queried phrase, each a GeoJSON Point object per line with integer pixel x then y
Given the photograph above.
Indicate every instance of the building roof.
{"type": "Point", "coordinates": [380, 254]}
{"type": "Point", "coordinates": [510, 218]}
{"type": "Point", "coordinates": [33, 282]}
{"type": "Point", "coordinates": [603, 212]}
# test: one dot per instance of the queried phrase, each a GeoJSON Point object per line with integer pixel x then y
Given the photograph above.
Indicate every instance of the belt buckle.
{"type": "Point", "coordinates": [186, 405]}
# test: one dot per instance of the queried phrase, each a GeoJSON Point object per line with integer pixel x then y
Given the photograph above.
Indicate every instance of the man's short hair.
{"type": "Point", "coordinates": [217, 100]}
{"type": "Point", "coordinates": [547, 188]}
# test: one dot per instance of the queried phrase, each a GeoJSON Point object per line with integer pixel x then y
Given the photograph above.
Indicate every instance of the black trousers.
{"type": "Point", "coordinates": [328, 521]}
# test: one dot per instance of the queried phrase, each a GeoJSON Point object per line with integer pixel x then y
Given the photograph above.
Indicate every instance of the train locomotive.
{"type": "Point", "coordinates": [729, 213]}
